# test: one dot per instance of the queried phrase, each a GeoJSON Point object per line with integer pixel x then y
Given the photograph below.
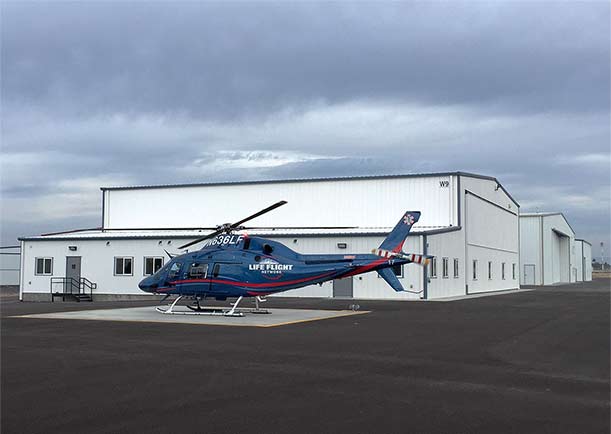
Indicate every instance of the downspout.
{"type": "Point", "coordinates": [21, 269]}
{"type": "Point", "coordinates": [571, 265]}
{"type": "Point", "coordinates": [425, 286]}
{"type": "Point", "coordinates": [542, 248]}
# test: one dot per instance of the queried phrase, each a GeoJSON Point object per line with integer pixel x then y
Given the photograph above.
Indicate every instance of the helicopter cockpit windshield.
{"type": "Point", "coordinates": [174, 270]}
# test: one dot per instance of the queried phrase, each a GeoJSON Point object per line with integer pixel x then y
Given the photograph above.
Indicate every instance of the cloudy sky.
{"type": "Point", "coordinates": [144, 93]}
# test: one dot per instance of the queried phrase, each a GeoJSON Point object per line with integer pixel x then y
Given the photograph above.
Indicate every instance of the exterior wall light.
{"type": "Point", "coordinates": [72, 248]}
{"type": "Point", "coordinates": [342, 245]}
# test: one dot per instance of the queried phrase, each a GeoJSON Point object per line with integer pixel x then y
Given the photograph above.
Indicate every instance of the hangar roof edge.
{"type": "Point", "coordinates": [547, 214]}
{"type": "Point", "coordinates": [338, 178]}
{"type": "Point", "coordinates": [88, 234]}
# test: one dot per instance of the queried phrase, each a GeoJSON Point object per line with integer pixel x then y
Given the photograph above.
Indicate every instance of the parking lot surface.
{"type": "Point", "coordinates": [535, 361]}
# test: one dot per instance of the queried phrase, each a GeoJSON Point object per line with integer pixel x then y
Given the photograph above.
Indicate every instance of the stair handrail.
{"type": "Point", "coordinates": [81, 285]}
{"type": "Point", "coordinates": [64, 280]}
{"type": "Point", "coordinates": [86, 283]}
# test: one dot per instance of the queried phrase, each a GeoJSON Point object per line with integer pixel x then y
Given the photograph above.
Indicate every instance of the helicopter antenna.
{"type": "Point", "coordinates": [230, 227]}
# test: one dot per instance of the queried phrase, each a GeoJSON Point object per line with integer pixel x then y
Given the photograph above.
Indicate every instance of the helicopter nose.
{"type": "Point", "coordinates": [147, 285]}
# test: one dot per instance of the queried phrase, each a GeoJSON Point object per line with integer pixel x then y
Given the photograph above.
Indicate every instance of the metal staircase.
{"type": "Point", "coordinates": [73, 289]}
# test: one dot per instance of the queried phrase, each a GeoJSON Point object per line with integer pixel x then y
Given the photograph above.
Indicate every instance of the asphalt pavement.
{"type": "Point", "coordinates": [529, 362]}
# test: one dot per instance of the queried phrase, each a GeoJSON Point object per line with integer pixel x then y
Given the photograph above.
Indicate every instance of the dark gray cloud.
{"type": "Point", "coordinates": [114, 93]}
{"type": "Point", "coordinates": [246, 59]}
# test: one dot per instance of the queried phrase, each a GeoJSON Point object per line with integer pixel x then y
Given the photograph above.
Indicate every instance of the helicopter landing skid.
{"type": "Point", "coordinates": [211, 311]}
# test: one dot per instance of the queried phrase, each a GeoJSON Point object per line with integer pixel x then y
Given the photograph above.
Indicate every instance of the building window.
{"type": "Point", "coordinates": [198, 271]}
{"type": "Point", "coordinates": [475, 269]}
{"type": "Point", "coordinates": [123, 266]}
{"type": "Point", "coordinates": [434, 268]}
{"type": "Point", "coordinates": [152, 264]}
{"type": "Point", "coordinates": [513, 271]}
{"type": "Point", "coordinates": [503, 270]}
{"type": "Point", "coordinates": [490, 270]}
{"type": "Point", "coordinates": [445, 264]}
{"type": "Point", "coordinates": [455, 268]}
{"type": "Point", "coordinates": [44, 267]}
{"type": "Point", "coordinates": [398, 270]}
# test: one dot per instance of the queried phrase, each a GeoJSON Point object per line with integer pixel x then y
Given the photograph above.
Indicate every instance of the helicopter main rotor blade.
{"type": "Point", "coordinates": [199, 240]}
{"type": "Point", "coordinates": [228, 228]}
{"type": "Point", "coordinates": [263, 211]}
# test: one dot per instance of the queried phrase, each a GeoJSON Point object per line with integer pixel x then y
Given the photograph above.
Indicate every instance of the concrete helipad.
{"type": "Point", "coordinates": [277, 317]}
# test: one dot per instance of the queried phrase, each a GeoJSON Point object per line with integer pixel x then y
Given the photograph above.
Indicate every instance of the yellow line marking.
{"type": "Point", "coordinates": [315, 319]}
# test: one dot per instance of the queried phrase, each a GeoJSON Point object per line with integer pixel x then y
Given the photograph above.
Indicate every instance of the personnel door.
{"type": "Point", "coordinates": [342, 288]}
{"type": "Point", "coordinates": [73, 274]}
{"type": "Point", "coordinates": [529, 274]}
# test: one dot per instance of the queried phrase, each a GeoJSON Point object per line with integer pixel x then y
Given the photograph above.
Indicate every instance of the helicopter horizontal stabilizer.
{"type": "Point", "coordinates": [389, 276]}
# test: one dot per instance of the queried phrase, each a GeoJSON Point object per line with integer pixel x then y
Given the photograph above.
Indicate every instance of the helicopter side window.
{"type": "Point", "coordinates": [174, 270]}
{"type": "Point", "coordinates": [198, 271]}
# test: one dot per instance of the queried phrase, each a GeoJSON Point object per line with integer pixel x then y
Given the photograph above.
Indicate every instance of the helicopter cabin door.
{"type": "Point", "coordinates": [224, 271]}
{"type": "Point", "coordinates": [196, 277]}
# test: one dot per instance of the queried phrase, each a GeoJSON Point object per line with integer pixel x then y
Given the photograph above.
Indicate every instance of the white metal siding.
{"type": "Point", "coordinates": [557, 251]}
{"type": "Point", "coordinates": [491, 235]}
{"type": "Point", "coordinates": [9, 266]}
{"type": "Point", "coordinates": [548, 242]}
{"type": "Point", "coordinates": [587, 254]}
{"type": "Point", "coordinates": [452, 246]}
{"type": "Point", "coordinates": [363, 203]}
{"type": "Point", "coordinates": [530, 247]}
{"type": "Point", "coordinates": [587, 262]}
{"type": "Point", "coordinates": [579, 260]}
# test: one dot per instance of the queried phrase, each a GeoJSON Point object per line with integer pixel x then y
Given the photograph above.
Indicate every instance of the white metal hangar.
{"type": "Point", "coordinates": [583, 260]}
{"type": "Point", "coordinates": [469, 222]}
{"type": "Point", "coordinates": [549, 253]}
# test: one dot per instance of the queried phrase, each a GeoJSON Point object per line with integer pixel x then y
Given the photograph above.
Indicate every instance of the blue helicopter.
{"type": "Point", "coordinates": [234, 265]}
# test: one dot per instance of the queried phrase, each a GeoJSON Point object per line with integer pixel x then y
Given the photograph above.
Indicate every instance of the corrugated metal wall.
{"type": "Point", "coordinates": [9, 266]}
{"type": "Point", "coordinates": [530, 248]}
{"type": "Point", "coordinates": [362, 203]}
{"type": "Point", "coordinates": [555, 256]}
{"type": "Point", "coordinates": [491, 226]}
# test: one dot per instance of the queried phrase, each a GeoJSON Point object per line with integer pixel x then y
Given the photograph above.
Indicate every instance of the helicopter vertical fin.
{"type": "Point", "coordinates": [395, 239]}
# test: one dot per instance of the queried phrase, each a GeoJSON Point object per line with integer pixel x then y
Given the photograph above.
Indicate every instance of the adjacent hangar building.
{"type": "Point", "coordinates": [583, 252]}
{"type": "Point", "coordinates": [549, 252]}
{"type": "Point", "coordinates": [469, 222]}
